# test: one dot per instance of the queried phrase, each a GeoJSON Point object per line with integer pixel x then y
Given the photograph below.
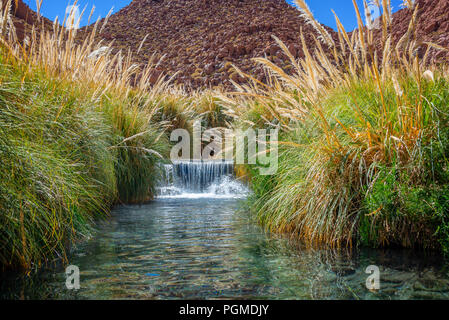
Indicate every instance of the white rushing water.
{"type": "Point", "coordinates": [201, 179]}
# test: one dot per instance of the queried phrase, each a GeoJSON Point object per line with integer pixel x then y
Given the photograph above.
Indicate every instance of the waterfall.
{"type": "Point", "coordinates": [200, 179]}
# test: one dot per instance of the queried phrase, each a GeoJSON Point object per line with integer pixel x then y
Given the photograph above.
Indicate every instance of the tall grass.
{"type": "Point", "coordinates": [82, 128]}
{"type": "Point", "coordinates": [363, 137]}
{"type": "Point", "coordinates": [79, 132]}
{"type": "Point", "coordinates": [363, 156]}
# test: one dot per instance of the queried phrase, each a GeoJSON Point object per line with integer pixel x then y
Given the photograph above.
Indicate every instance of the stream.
{"type": "Point", "coordinates": [198, 241]}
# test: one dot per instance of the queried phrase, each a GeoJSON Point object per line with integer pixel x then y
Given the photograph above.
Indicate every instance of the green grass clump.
{"type": "Point", "coordinates": [82, 128]}
{"type": "Point", "coordinates": [363, 151]}
{"type": "Point", "coordinates": [411, 203]}
{"type": "Point", "coordinates": [376, 174]}
{"type": "Point", "coordinates": [66, 158]}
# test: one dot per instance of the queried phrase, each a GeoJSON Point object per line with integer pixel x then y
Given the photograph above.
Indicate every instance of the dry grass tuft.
{"type": "Point", "coordinates": [346, 117]}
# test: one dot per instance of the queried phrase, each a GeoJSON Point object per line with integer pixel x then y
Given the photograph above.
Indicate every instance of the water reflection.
{"type": "Point", "coordinates": [209, 249]}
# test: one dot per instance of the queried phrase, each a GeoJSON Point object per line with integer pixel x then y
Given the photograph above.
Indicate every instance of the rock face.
{"type": "Point", "coordinates": [432, 26]}
{"type": "Point", "coordinates": [24, 18]}
{"type": "Point", "coordinates": [202, 38]}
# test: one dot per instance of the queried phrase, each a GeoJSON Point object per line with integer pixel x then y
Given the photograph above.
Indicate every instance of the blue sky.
{"type": "Point", "coordinates": [320, 8]}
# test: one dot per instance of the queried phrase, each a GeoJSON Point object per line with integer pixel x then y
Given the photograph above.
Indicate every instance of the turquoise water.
{"type": "Point", "coordinates": [208, 248]}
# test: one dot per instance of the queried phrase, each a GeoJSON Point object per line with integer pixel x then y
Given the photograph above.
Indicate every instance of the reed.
{"type": "Point", "coordinates": [79, 133]}
{"type": "Point", "coordinates": [362, 141]}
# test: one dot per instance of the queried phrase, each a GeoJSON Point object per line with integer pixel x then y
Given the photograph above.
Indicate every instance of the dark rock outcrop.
{"type": "Point", "coordinates": [432, 26]}
{"type": "Point", "coordinates": [202, 38]}
{"type": "Point", "coordinates": [24, 19]}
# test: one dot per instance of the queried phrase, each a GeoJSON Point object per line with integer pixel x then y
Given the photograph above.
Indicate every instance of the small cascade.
{"type": "Point", "coordinates": [200, 179]}
{"type": "Point", "coordinates": [197, 176]}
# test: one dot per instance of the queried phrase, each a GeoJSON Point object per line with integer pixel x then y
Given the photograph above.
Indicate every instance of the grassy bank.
{"type": "Point", "coordinates": [77, 135]}
{"type": "Point", "coordinates": [66, 158]}
{"type": "Point", "coordinates": [363, 142]}
{"type": "Point", "coordinates": [363, 149]}
{"type": "Point", "coordinates": [81, 128]}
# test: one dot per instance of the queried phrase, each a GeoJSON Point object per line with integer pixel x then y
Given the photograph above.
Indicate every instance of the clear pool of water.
{"type": "Point", "coordinates": [208, 248]}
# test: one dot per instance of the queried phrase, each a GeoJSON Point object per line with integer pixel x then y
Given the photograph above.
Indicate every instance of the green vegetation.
{"type": "Point", "coordinates": [75, 138]}
{"type": "Point", "coordinates": [364, 144]}
{"type": "Point", "coordinates": [363, 149]}
{"type": "Point", "coordinates": [81, 129]}
{"type": "Point", "coordinates": [65, 160]}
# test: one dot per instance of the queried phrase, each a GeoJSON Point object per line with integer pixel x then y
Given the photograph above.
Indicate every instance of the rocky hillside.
{"type": "Point", "coordinates": [432, 26]}
{"type": "Point", "coordinates": [24, 18]}
{"type": "Point", "coordinates": [201, 38]}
